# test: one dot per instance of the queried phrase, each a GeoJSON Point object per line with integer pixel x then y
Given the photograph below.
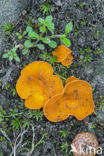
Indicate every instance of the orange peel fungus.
{"type": "Point", "coordinates": [76, 100]}
{"type": "Point", "coordinates": [37, 84]}
{"type": "Point", "coordinates": [64, 55]}
{"type": "Point", "coordinates": [41, 89]}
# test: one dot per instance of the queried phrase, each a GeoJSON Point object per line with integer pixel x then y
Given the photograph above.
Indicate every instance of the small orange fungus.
{"type": "Point", "coordinates": [84, 144]}
{"type": "Point", "coordinates": [37, 84]}
{"type": "Point", "coordinates": [75, 100]}
{"type": "Point", "coordinates": [64, 55]}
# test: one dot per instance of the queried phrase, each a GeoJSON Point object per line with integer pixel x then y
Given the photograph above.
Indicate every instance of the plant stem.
{"type": "Point", "coordinates": [55, 36]}
{"type": "Point", "coordinates": [60, 76]}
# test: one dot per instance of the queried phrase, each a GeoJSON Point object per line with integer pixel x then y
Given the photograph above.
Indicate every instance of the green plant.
{"type": "Point", "coordinates": [36, 114]}
{"type": "Point", "coordinates": [65, 147]}
{"type": "Point", "coordinates": [1, 154]}
{"type": "Point", "coordinates": [85, 55]}
{"type": "Point", "coordinates": [49, 58]}
{"type": "Point", "coordinates": [77, 33]}
{"type": "Point", "coordinates": [81, 5]}
{"type": "Point", "coordinates": [7, 28]}
{"type": "Point", "coordinates": [63, 133]}
{"type": "Point", "coordinates": [45, 8]}
{"type": "Point", "coordinates": [16, 123]}
{"type": "Point", "coordinates": [12, 55]}
{"type": "Point", "coordinates": [98, 51]}
{"type": "Point", "coordinates": [14, 93]}
{"type": "Point", "coordinates": [40, 37]}
{"type": "Point", "coordinates": [88, 58]}
{"type": "Point", "coordinates": [83, 22]}
{"type": "Point", "coordinates": [7, 86]}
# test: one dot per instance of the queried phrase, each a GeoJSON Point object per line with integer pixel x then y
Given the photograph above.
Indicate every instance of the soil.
{"type": "Point", "coordinates": [88, 20]}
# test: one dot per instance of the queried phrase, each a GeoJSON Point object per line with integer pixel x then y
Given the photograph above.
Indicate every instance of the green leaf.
{"type": "Point", "coordinates": [43, 29]}
{"type": "Point", "coordinates": [24, 33]}
{"type": "Point", "coordinates": [17, 34]}
{"type": "Point", "coordinates": [20, 37]}
{"type": "Point", "coordinates": [17, 59]}
{"type": "Point", "coordinates": [25, 51]}
{"type": "Point", "coordinates": [10, 58]}
{"type": "Point", "coordinates": [53, 44]}
{"type": "Point", "coordinates": [14, 50]}
{"type": "Point", "coordinates": [33, 35]}
{"type": "Point", "coordinates": [68, 28]}
{"type": "Point", "coordinates": [65, 41]}
{"type": "Point", "coordinates": [50, 27]}
{"type": "Point", "coordinates": [49, 24]}
{"type": "Point", "coordinates": [40, 46]}
{"type": "Point", "coordinates": [28, 29]}
{"type": "Point", "coordinates": [41, 20]}
{"type": "Point", "coordinates": [48, 19]}
{"type": "Point", "coordinates": [5, 55]}
{"type": "Point", "coordinates": [28, 44]}
{"type": "Point", "coordinates": [46, 40]}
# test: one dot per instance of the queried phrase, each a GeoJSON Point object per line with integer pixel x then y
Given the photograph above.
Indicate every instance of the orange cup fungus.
{"type": "Point", "coordinates": [37, 84]}
{"type": "Point", "coordinates": [41, 89]}
{"type": "Point", "coordinates": [64, 55]}
{"type": "Point", "coordinates": [84, 144]}
{"type": "Point", "coordinates": [76, 100]}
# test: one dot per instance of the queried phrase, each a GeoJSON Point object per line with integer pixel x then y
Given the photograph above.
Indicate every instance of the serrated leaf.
{"type": "Point", "coordinates": [68, 28]}
{"type": "Point", "coordinates": [45, 40]}
{"type": "Point", "coordinates": [48, 19]}
{"type": "Point", "coordinates": [53, 44]}
{"type": "Point", "coordinates": [41, 20]}
{"type": "Point", "coordinates": [65, 41]}
{"type": "Point", "coordinates": [28, 44]}
{"type": "Point", "coordinates": [43, 29]}
{"type": "Point", "coordinates": [33, 35]}
{"type": "Point", "coordinates": [40, 46]}
{"type": "Point", "coordinates": [28, 29]}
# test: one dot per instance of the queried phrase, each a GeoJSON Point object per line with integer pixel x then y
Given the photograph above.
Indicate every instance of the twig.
{"type": "Point", "coordinates": [32, 146]}
{"type": "Point", "coordinates": [16, 145]}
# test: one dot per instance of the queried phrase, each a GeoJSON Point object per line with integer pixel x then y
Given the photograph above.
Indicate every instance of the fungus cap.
{"type": "Point", "coordinates": [32, 77]}
{"type": "Point", "coordinates": [68, 60]}
{"type": "Point", "coordinates": [36, 101]}
{"type": "Point", "coordinates": [52, 86]}
{"type": "Point", "coordinates": [55, 110]}
{"type": "Point", "coordinates": [39, 69]}
{"type": "Point", "coordinates": [61, 52]}
{"type": "Point", "coordinates": [85, 144]}
{"type": "Point", "coordinates": [78, 98]}
{"type": "Point", "coordinates": [28, 85]}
